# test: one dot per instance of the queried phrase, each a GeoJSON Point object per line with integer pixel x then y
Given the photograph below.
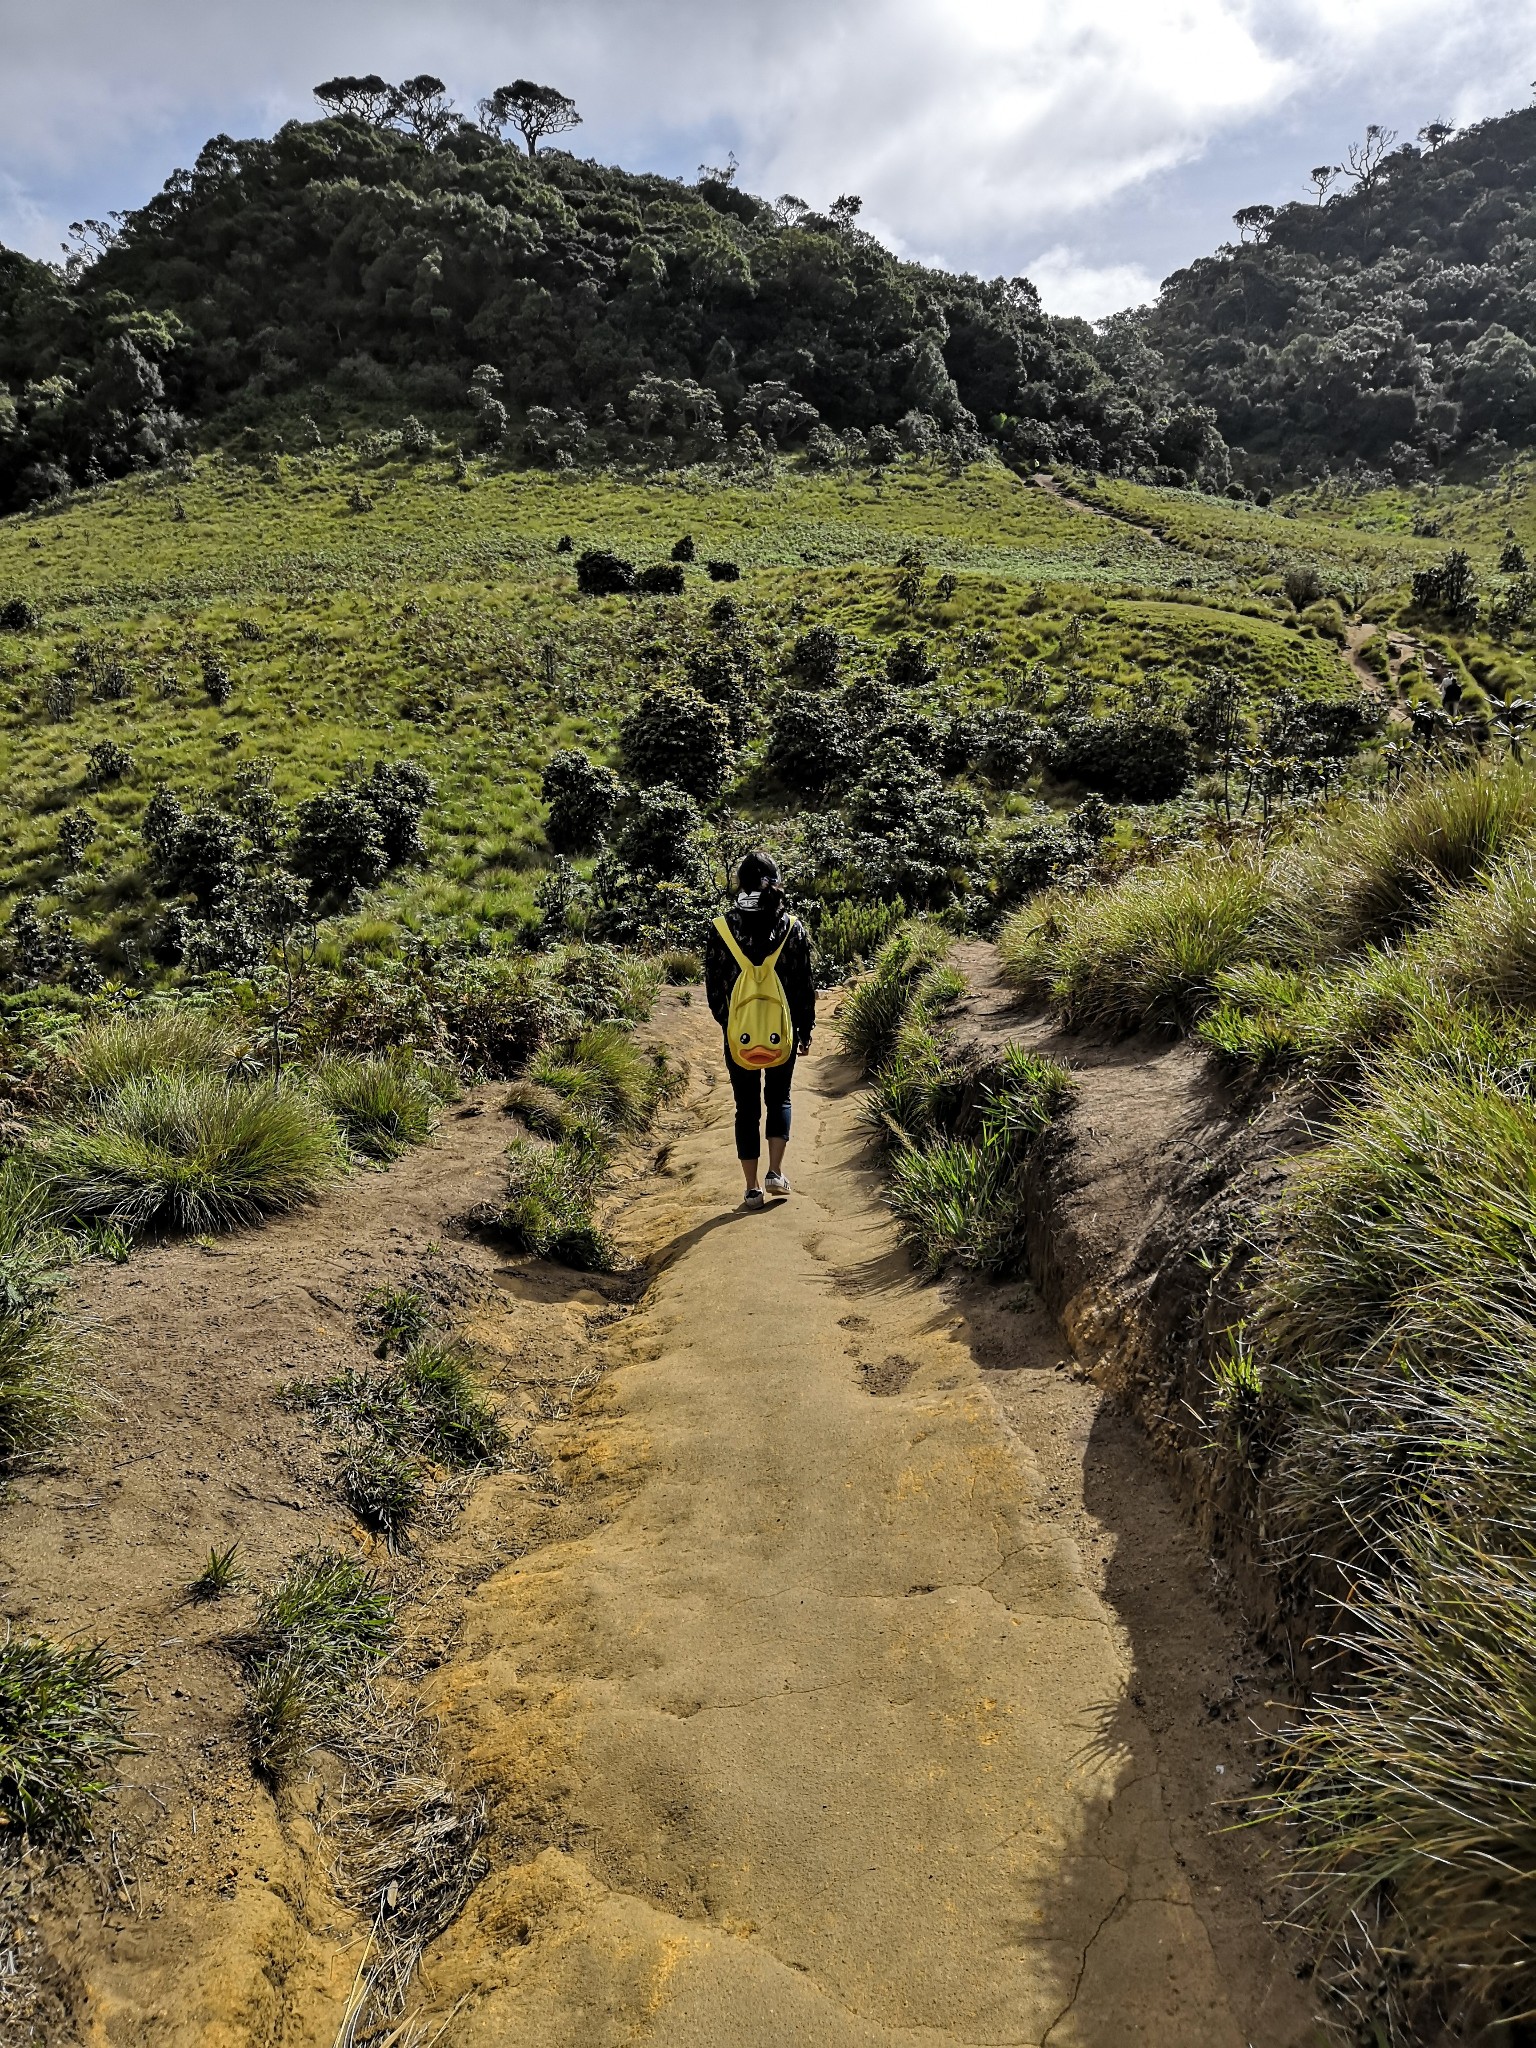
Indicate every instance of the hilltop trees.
{"type": "Point", "coordinates": [533, 110]}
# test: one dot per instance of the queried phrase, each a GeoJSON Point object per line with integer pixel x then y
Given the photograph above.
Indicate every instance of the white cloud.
{"type": "Point", "coordinates": [977, 130]}
{"type": "Point", "coordinates": [1069, 283]}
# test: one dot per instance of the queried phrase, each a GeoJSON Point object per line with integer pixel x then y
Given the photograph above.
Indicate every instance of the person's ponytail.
{"type": "Point", "coordinates": [758, 876]}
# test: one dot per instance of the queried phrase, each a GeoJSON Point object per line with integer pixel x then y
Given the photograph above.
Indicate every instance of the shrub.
{"type": "Point", "coordinates": [811, 747]}
{"type": "Point", "coordinates": [914, 837]}
{"type": "Point", "coordinates": [77, 829]}
{"type": "Point", "coordinates": [662, 579]}
{"type": "Point", "coordinates": [338, 845]}
{"type": "Point", "coordinates": [722, 572]}
{"type": "Point", "coordinates": [817, 658]}
{"type": "Point", "coordinates": [19, 615]}
{"type": "Point", "coordinates": [600, 574]}
{"type": "Point", "coordinates": [1449, 588]}
{"type": "Point", "coordinates": [63, 1720]}
{"type": "Point", "coordinates": [548, 1210]}
{"type": "Point", "coordinates": [61, 697]}
{"type": "Point", "coordinates": [1134, 756]}
{"type": "Point", "coordinates": [106, 763]}
{"type": "Point", "coordinates": [676, 736]}
{"type": "Point", "coordinates": [684, 549]}
{"type": "Point", "coordinates": [217, 681]}
{"type": "Point", "coordinates": [1303, 584]}
{"type": "Point", "coordinates": [907, 666]}
{"type": "Point", "coordinates": [42, 950]}
{"type": "Point", "coordinates": [582, 797]}
{"type": "Point", "coordinates": [319, 1630]}
{"type": "Point", "coordinates": [191, 1152]}
{"type": "Point", "coordinates": [384, 1106]}
{"type": "Point", "coordinates": [398, 793]}
{"type": "Point", "coordinates": [111, 683]}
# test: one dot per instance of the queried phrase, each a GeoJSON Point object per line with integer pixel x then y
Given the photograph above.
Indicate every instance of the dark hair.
{"type": "Point", "coordinates": [760, 871]}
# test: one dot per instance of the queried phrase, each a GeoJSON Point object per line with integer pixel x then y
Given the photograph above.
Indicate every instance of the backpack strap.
{"type": "Point", "coordinates": [730, 939]}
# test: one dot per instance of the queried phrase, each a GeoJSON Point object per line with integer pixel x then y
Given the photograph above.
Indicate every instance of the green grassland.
{"type": "Point", "coordinates": [370, 606]}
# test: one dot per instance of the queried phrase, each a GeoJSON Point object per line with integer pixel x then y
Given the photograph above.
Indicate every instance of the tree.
{"type": "Point", "coordinates": [1435, 134]}
{"type": "Point", "coordinates": [582, 796]}
{"type": "Point", "coordinates": [533, 110]}
{"type": "Point", "coordinates": [422, 106]}
{"type": "Point", "coordinates": [846, 209]}
{"type": "Point", "coordinates": [1321, 176]}
{"type": "Point", "coordinates": [369, 99]}
{"type": "Point", "coordinates": [1254, 220]}
{"type": "Point", "coordinates": [1363, 160]}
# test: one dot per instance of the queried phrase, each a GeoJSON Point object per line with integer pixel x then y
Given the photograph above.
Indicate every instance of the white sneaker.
{"type": "Point", "coordinates": [775, 1184]}
{"type": "Point", "coordinates": [753, 1198]}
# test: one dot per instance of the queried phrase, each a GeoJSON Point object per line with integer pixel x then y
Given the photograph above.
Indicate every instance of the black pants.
{"type": "Point", "coordinates": [753, 1089]}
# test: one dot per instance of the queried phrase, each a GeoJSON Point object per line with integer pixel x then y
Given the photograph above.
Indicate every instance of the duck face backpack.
{"type": "Point", "coordinates": [757, 1028]}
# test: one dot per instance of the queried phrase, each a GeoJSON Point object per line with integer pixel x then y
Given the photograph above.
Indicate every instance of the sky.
{"type": "Point", "coordinates": [1092, 145]}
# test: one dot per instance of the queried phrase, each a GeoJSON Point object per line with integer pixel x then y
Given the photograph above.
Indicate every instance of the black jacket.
{"type": "Point", "coordinates": [757, 933]}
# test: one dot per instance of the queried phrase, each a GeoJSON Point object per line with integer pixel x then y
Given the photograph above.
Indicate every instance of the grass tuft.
{"type": "Point", "coordinates": [551, 1193]}
{"type": "Point", "coordinates": [221, 1574]}
{"type": "Point", "coordinates": [62, 1722]}
{"type": "Point", "coordinates": [192, 1152]}
{"type": "Point", "coordinates": [168, 1038]}
{"type": "Point", "coordinates": [319, 1630]}
{"type": "Point", "coordinates": [383, 1105]}
{"type": "Point", "coordinates": [871, 1014]}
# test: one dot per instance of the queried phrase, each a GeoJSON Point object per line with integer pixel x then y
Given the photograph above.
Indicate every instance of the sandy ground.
{"type": "Point", "coordinates": [833, 1663]}
{"type": "Point", "coordinates": [848, 1740]}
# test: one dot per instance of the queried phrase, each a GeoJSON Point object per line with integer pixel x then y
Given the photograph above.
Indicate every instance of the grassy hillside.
{"type": "Point", "coordinates": [380, 607]}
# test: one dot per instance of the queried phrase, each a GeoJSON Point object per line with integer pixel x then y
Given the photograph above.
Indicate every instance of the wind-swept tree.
{"type": "Point", "coordinates": [533, 110]}
{"type": "Point", "coordinates": [422, 106]}
{"type": "Point", "coordinates": [1254, 220]}
{"type": "Point", "coordinates": [1321, 176]}
{"type": "Point", "coordinates": [1363, 160]}
{"type": "Point", "coordinates": [371, 98]}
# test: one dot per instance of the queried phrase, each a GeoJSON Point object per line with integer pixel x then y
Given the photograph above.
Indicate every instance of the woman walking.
{"type": "Point", "coordinates": [758, 981]}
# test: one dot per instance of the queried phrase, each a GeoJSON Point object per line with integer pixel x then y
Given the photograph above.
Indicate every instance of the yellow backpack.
{"type": "Point", "coordinates": [757, 1027]}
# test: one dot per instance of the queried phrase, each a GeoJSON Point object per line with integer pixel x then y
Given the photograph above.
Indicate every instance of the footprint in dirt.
{"type": "Point", "coordinates": [890, 1376]}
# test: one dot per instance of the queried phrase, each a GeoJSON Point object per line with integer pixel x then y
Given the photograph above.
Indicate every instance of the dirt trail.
{"type": "Point", "coordinates": [825, 1727]}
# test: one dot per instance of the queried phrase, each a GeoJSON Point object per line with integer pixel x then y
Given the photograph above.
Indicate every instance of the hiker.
{"type": "Point", "coordinates": [757, 978]}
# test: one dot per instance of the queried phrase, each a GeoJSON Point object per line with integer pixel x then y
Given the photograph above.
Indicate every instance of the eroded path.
{"type": "Point", "coordinates": [823, 1731]}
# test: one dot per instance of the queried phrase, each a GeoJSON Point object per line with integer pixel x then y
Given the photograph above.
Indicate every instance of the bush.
{"type": "Point", "coordinates": [338, 845]}
{"type": "Point", "coordinates": [551, 1190]}
{"type": "Point", "coordinates": [582, 797]}
{"type": "Point", "coordinates": [811, 748]}
{"type": "Point", "coordinates": [107, 763]}
{"type": "Point", "coordinates": [851, 933]}
{"type": "Point", "coordinates": [1449, 588]}
{"type": "Point", "coordinates": [19, 615]}
{"type": "Point", "coordinates": [600, 574]}
{"type": "Point", "coordinates": [63, 1720]}
{"type": "Point", "coordinates": [1130, 756]}
{"type": "Point", "coordinates": [191, 1152]}
{"type": "Point", "coordinates": [907, 666]}
{"type": "Point", "coordinates": [723, 572]}
{"type": "Point", "coordinates": [398, 793]}
{"type": "Point", "coordinates": [676, 736]}
{"type": "Point", "coordinates": [217, 681]}
{"type": "Point", "coordinates": [384, 1106]}
{"type": "Point", "coordinates": [662, 579]}
{"type": "Point", "coordinates": [817, 658]}
{"type": "Point", "coordinates": [684, 549]}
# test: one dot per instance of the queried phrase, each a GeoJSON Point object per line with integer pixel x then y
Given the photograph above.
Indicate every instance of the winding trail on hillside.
{"type": "Point", "coordinates": [822, 1730]}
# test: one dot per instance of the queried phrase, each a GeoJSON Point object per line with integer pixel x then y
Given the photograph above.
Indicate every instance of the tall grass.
{"type": "Point", "coordinates": [872, 1013]}
{"type": "Point", "coordinates": [37, 1353]}
{"type": "Point", "coordinates": [169, 1038]}
{"type": "Point", "coordinates": [550, 1197]}
{"type": "Point", "coordinates": [1147, 951]}
{"type": "Point", "coordinates": [192, 1152]}
{"type": "Point", "coordinates": [603, 1071]}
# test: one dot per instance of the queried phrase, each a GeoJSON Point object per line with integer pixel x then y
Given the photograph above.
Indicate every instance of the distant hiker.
{"type": "Point", "coordinates": [757, 977]}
